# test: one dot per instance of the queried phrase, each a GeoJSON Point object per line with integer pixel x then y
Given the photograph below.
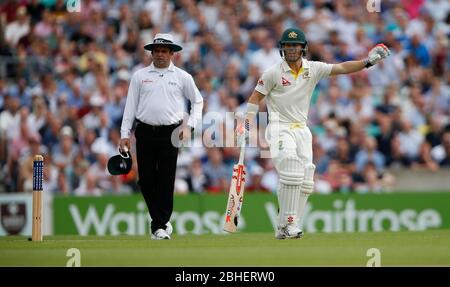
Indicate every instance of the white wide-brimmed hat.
{"type": "Point", "coordinates": [163, 40]}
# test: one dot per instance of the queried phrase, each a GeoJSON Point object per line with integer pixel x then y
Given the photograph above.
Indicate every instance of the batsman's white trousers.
{"type": "Point", "coordinates": [289, 139]}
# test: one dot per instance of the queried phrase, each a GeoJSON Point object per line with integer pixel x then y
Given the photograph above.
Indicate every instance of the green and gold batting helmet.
{"type": "Point", "coordinates": [294, 36]}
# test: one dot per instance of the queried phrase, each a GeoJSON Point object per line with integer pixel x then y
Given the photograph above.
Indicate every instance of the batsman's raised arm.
{"type": "Point", "coordinates": [376, 54]}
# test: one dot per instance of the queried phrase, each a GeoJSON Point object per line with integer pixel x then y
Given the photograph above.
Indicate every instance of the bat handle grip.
{"type": "Point", "coordinates": [242, 153]}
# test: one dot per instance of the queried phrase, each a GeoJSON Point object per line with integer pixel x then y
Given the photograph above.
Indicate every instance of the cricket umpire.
{"type": "Point", "coordinates": [156, 100]}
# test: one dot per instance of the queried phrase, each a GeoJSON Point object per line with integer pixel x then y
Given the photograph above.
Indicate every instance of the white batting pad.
{"type": "Point", "coordinates": [291, 177]}
{"type": "Point", "coordinates": [306, 189]}
{"type": "Point", "coordinates": [290, 170]}
{"type": "Point", "coordinates": [289, 204]}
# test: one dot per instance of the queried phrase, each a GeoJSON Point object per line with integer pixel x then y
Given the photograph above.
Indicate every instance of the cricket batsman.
{"type": "Point", "coordinates": [288, 87]}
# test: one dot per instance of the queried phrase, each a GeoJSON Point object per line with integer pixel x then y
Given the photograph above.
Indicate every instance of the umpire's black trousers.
{"type": "Point", "coordinates": [157, 162]}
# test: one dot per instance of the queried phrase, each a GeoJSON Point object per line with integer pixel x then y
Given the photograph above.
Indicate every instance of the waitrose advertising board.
{"type": "Point", "coordinates": [202, 214]}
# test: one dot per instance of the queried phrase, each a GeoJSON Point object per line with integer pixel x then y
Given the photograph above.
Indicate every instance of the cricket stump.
{"type": "Point", "coordinates": [38, 178]}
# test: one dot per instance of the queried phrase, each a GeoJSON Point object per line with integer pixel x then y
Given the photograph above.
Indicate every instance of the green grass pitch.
{"type": "Point", "coordinates": [425, 248]}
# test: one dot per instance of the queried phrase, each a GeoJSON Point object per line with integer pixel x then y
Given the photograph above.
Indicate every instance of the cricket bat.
{"type": "Point", "coordinates": [236, 194]}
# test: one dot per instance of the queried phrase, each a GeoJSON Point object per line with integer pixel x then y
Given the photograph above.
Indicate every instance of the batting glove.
{"type": "Point", "coordinates": [242, 132]}
{"type": "Point", "coordinates": [243, 129]}
{"type": "Point", "coordinates": [376, 54]}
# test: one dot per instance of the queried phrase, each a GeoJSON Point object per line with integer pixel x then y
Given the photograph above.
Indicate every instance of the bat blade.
{"type": "Point", "coordinates": [235, 198]}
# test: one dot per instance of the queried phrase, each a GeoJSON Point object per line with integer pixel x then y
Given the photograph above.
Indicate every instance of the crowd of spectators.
{"type": "Point", "coordinates": [64, 79]}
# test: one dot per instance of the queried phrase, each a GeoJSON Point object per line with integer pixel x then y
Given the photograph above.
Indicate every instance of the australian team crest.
{"type": "Point", "coordinates": [13, 217]}
{"type": "Point", "coordinates": [292, 35]}
{"type": "Point", "coordinates": [306, 74]}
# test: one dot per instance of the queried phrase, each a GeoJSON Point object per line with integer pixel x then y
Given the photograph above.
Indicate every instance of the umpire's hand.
{"type": "Point", "coordinates": [124, 145]}
{"type": "Point", "coordinates": [185, 133]}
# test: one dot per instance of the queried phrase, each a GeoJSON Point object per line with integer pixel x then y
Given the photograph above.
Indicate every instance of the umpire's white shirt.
{"type": "Point", "coordinates": [157, 97]}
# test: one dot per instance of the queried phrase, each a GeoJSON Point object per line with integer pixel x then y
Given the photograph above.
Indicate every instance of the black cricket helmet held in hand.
{"type": "Point", "coordinates": [120, 164]}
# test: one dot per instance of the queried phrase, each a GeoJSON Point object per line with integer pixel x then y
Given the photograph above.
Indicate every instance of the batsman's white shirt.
{"type": "Point", "coordinates": [289, 95]}
{"type": "Point", "coordinates": [157, 97]}
{"type": "Point", "coordinates": [288, 98]}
